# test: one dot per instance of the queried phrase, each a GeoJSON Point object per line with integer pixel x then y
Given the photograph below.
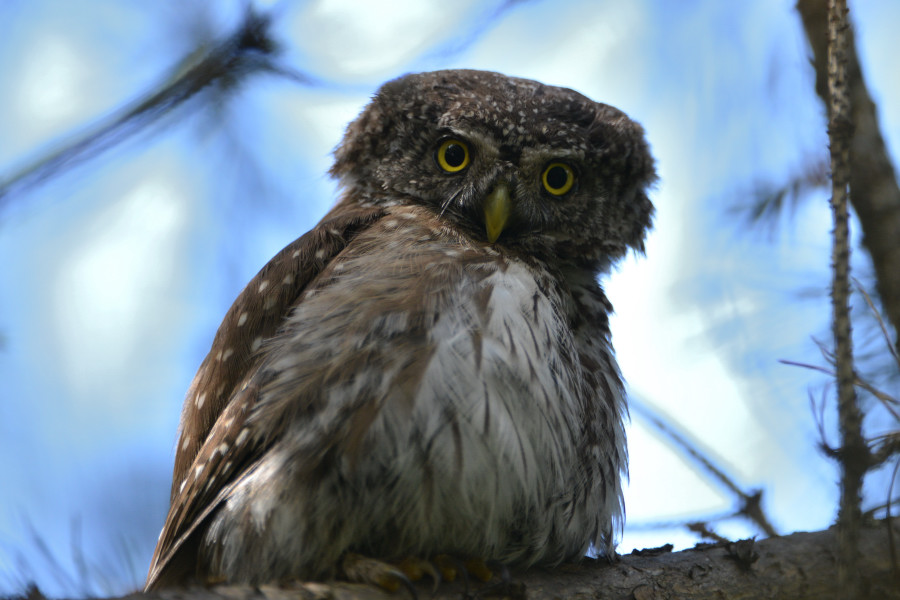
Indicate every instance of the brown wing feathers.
{"type": "Point", "coordinates": [210, 450]}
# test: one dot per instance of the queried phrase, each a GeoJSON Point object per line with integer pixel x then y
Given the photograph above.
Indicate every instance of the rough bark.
{"type": "Point", "coordinates": [876, 194]}
{"type": "Point", "coordinates": [854, 455]}
{"type": "Point", "coordinates": [797, 567]}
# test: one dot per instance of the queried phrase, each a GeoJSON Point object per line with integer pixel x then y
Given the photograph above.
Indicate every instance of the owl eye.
{"type": "Point", "coordinates": [452, 155]}
{"type": "Point", "coordinates": [558, 178]}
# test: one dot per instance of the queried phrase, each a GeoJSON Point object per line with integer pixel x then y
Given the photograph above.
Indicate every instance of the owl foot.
{"type": "Point", "coordinates": [504, 588]}
{"type": "Point", "coordinates": [390, 576]}
{"type": "Point", "coordinates": [361, 569]}
{"type": "Point", "coordinates": [450, 568]}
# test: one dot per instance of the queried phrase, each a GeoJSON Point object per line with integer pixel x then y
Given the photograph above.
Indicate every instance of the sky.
{"type": "Point", "coordinates": [115, 274]}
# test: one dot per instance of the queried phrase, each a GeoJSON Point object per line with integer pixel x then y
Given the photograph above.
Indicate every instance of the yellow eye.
{"type": "Point", "coordinates": [453, 156]}
{"type": "Point", "coordinates": [558, 178]}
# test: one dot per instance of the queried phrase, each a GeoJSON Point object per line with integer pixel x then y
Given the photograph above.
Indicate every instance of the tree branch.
{"type": "Point", "coordinates": [854, 454]}
{"type": "Point", "coordinates": [876, 194]}
{"type": "Point", "coordinates": [796, 567]}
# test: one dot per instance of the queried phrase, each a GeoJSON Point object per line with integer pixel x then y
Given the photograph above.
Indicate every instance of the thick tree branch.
{"type": "Point", "coordinates": [797, 567]}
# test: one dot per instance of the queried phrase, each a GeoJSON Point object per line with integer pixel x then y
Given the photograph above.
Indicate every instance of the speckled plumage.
{"type": "Point", "coordinates": [394, 383]}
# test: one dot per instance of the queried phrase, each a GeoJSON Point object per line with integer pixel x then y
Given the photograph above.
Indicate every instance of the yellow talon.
{"type": "Point", "coordinates": [476, 567]}
{"type": "Point", "coordinates": [447, 567]}
{"type": "Point", "coordinates": [361, 569]}
{"type": "Point", "coordinates": [412, 567]}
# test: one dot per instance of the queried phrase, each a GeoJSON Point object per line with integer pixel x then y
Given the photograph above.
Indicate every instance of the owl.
{"type": "Point", "coordinates": [428, 372]}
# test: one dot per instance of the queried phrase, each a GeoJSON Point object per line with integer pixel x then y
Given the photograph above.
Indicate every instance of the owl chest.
{"type": "Point", "coordinates": [474, 370]}
{"type": "Point", "coordinates": [483, 411]}
{"type": "Point", "coordinates": [453, 423]}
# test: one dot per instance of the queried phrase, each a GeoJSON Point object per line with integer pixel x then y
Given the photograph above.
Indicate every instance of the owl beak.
{"type": "Point", "coordinates": [496, 210]}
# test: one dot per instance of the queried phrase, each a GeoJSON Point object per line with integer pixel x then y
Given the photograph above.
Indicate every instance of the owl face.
{"type": "Point", "coordinates": [513, 162]}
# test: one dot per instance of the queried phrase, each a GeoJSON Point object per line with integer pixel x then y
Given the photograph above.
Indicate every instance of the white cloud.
{"type": "Point", "coordinates": [353, 39]}
{"type": "Point", "coordinates": [120, 261]}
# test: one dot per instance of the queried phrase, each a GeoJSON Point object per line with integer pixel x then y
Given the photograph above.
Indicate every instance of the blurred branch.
{"type": "Point", "coordinates": [884, 331]}
{"type": "Point", "coordinates": [750, 504]}
{"type": "Point", "coordinates": [702, 529]}
{"type": "Point", "coordinates": [771, 199]}
{"type": "Point", "coordinates": [876, 194]}
{"type": "Point", "coordinates": [222, 67]}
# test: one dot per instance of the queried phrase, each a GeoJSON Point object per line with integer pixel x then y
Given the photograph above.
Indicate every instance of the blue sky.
{"type": "Point", "coordinates": [114, 275]}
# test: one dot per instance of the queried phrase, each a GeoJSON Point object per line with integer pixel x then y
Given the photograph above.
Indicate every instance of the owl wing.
{"type": "Point", "coordinates": [214, 447]}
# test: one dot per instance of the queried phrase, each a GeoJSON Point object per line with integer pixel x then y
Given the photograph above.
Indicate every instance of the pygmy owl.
{"type": "Point", "coordinates": [429, 370]}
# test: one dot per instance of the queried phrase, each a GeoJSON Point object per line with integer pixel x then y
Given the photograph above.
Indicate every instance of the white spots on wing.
{"type": "Point", "coordinates": [228, 352]}
{"type": "Point", "coordinates": [242, 437]}
{"type": "Point", "coordinates": [200, 400]}
{"type": "Point", "coordinates": [334, 232]}
{"type": "Point", "coordinates": [288, 279]}
{"type": "Point", "coordinates": [391, 223]}
{"type": "Point", "coordinates": [320, 253]}
{"type": "Point", "coordinates": [185, 442]}
{"type": "Point", "coordinates": [262, 286]}
{"type": "Point", "coordinates": [451, 253]}
{"type": "Point", "coordinates": [226, 466]}
{"type": "Point", "coordinates": [181, 487]}
{"type": "Point", "coordinates": [226, 424]}
{"type": "Point", "coordinates": [257, 342]}
{"type": "Point", "coordinates": [198, 470]}
{"type": "Point", "coordinates": [269, 303]}
{"type": "Point", "coordinates": [219, 355]}
{"type": "Point", "coordinates": [296, 254]}
{"type": "Point", "coordinates": [242, 319]}
{"type": "Point", "coordinates": [223, 448]}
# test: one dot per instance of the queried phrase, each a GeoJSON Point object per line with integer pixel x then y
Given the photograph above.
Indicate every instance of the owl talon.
{"type": "Point", "coordinates": [505, 587]}
{"type": "Point", "coordinates": [479, 569]}
{"type": "Point", "coordinates": [416, 568]}
{"type": "Point", "coordinates": [360, 569]}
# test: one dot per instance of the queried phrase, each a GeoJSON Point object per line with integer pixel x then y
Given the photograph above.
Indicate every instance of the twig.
{"type": "Point", "coordinates": [880, 319]}
{"type": "Point", "coordinates": [703, 530]}
{"type": "Point", "coordinates": [886, 399]}
{"type": "Point", "coordinates": [892, 545]}
{"type": "Point", "coordinates": [751, 504]}
{"type": "Point", "coordinates": [854, 454]}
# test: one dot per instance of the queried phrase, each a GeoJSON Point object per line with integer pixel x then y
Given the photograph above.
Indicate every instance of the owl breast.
{"type": "Point", "coordinates": [452, 422]}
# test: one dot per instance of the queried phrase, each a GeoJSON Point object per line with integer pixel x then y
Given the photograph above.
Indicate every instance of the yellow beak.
{"type": "Point", "coordinates": [496, 211]}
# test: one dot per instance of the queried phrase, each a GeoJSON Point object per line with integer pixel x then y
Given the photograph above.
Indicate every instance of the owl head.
{"type": "Point", "coordinates": [534, 168]}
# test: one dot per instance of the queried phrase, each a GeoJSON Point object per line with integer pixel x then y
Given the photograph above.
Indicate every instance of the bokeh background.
{"type": "Point", "coordinates": [114, 273]}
